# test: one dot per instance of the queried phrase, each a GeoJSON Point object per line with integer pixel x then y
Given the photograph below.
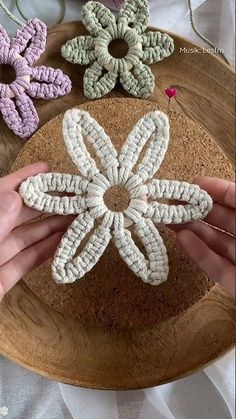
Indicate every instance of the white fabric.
{"type": "Point", "coordinates": [205, 395]}
{"type": "Point", "coordinates": [29, 396]}
{"type": "Point", "coordinates": [222, 374]}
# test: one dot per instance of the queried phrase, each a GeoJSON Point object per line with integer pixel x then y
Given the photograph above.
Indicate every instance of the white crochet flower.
{"type": "Point", "coordinates": [88, 200]}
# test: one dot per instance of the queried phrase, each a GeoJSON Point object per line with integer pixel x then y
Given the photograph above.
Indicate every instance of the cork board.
{"type": "Point", "coordinates": [110, 295]}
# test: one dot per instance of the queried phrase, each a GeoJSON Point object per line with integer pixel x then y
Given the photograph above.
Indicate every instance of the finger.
{"type": "Point", "coordinates": [13, 181]}
{"type": "Point", "coordinates": [25, 236]}
{"type": "Point", "coordinates": [221, 190]}
{"type": "Point", "coordinates": [222, 217]}
{"type": "Point", "coordinates": [11, 205]}
{"type": "Point", "coordinates": [16, 268]}
{"type": "Point", "coordinates": [216, 267]}
{"type": "Point", "coordinates": [22, 214]}
{"type": "Point", "coordinates": [27, 214]}
{"type": "Point", "coordinates": [219, 242]}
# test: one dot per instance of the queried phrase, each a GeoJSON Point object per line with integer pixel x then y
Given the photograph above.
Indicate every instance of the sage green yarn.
{"type": "Point", "coordinates": [105, 70]}
{"type": "Point", "coordinates": [96, 86]}
{"type": "Point", "coordinates": [135, 12]}
{"type": "Point", "coordinates": [95, 16]}
{"type": "Point", "coordinates": [157, 46]}
{"type": "Point", "coordinates": [81, 50]}
{"type": "Point", "coordinates": [140, 81]}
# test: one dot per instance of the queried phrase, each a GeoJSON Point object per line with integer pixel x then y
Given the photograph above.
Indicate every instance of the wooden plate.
{"type": "Point", "coordinates": [37, 333]}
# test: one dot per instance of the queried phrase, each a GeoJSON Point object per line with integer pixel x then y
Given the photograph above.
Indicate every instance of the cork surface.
{"type": "Point", "coordinates": [111, 295]}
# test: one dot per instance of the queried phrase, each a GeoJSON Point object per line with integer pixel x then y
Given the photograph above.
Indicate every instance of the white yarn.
{"type": "Point", "coordinates": [89, 205]}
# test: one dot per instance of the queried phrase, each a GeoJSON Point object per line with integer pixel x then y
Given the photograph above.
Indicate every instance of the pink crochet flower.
{"type": "Point", "coordinates": [21, 53]}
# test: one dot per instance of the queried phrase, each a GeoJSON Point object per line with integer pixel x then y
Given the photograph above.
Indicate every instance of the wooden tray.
{"type": "Point", "coordinates": [43, 339]}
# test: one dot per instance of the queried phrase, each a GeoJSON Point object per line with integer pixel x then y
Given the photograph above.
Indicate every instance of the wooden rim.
{"type": "Point", "coordinates": [216, 301]}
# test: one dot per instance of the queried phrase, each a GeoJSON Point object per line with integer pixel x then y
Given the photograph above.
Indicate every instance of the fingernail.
{"type": "Point", "coordinates": [8, 201]}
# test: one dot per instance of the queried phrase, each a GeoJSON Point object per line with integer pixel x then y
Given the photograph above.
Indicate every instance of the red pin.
{"type": "Point", "coordinates": [170, 92]}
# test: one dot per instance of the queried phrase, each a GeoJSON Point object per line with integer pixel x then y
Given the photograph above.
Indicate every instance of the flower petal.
{"type": "Point", "coordinates": [78, 124]}
{"type": "Point", "coordinates": [4, 45]}
{"type": "Point", "coordinates": [156, 46]}
{"type": "Point", "coordinates": [153, 126]}
{"type": "Point", "coordinates": [95, 17]}
{"type": "Point", "coordinates": [66, 268]}
{"type": "Point", "coordinates": [30, 40]}
{"type": "Point", "coordinates": [50, 83]}
{"type": "Point", "coordinates": [80, 50]}
{"type": "Point", "coordinates": [135, 14]}
{"type": "Point", "coordinates": [200, 203]}
{"type": "Point", "coordinates": [20, 115]}
{"type": "Point", "coordinates": [97, 84]}
{"type": "Point", "coordinates": [155, 269]}
{"type": "Point", "coordinates": [4, 36]}
{"type": "Point", "coordinates": [35, 193]}
{"type": "Point", "coordinates": [139, 81]}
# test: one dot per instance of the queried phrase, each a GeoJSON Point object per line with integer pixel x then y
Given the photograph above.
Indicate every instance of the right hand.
{"type": "Point", "coordinates": [211, 244]}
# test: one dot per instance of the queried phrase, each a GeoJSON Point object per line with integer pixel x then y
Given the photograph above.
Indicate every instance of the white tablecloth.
{"type": "Point", "coordinates": [208, 394]}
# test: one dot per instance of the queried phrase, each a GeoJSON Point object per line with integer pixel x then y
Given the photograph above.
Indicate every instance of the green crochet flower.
{"type": "Point", "coordinates": [143, 48]}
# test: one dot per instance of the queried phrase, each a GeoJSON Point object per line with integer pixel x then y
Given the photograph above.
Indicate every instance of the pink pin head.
{"type": "Point", "coordinates": [170, 92]}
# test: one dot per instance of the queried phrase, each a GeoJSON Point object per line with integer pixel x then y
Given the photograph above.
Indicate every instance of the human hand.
{"type": "Point", "coordinates": [211, 244]}
{"type": "Point", "coordinates": [24, 246]}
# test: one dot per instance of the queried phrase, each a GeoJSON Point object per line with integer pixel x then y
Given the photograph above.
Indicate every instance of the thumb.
{"type": "Point", "coordinates": [10, 207]}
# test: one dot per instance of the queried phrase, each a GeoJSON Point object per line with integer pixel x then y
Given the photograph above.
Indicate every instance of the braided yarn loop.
{"type": "Point", "coordinates": [21, 53]}
{"type": "Point", "coordinates": [104, 70]}
{"type": "Point", "coordinates": [86, 201]}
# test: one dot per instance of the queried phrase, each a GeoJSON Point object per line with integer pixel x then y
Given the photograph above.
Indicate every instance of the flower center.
{"type": "Point", "coordinates": [14, 76]}
{"type": "Point", "coordinates": [7, 74]}
{"type": "Point", "coordinates": [117, 198]}
{"type": "Point", "coordinates": [118, 48]}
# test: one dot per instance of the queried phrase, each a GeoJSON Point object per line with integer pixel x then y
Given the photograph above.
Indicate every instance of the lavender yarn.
{"type": "Point", "coordinates": [42, 82]}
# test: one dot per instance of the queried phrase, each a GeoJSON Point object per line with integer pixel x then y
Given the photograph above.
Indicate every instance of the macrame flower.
{"type": "Point", "coordinates": [87, 198]}
{"type": "Point", "coordinates": [41, 82]}
{"type": "Point", "coordinates": [105, 70]}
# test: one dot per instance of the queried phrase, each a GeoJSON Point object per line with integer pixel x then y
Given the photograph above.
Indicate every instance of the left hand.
{"type": "Point", "coordinates": [24, 246]}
